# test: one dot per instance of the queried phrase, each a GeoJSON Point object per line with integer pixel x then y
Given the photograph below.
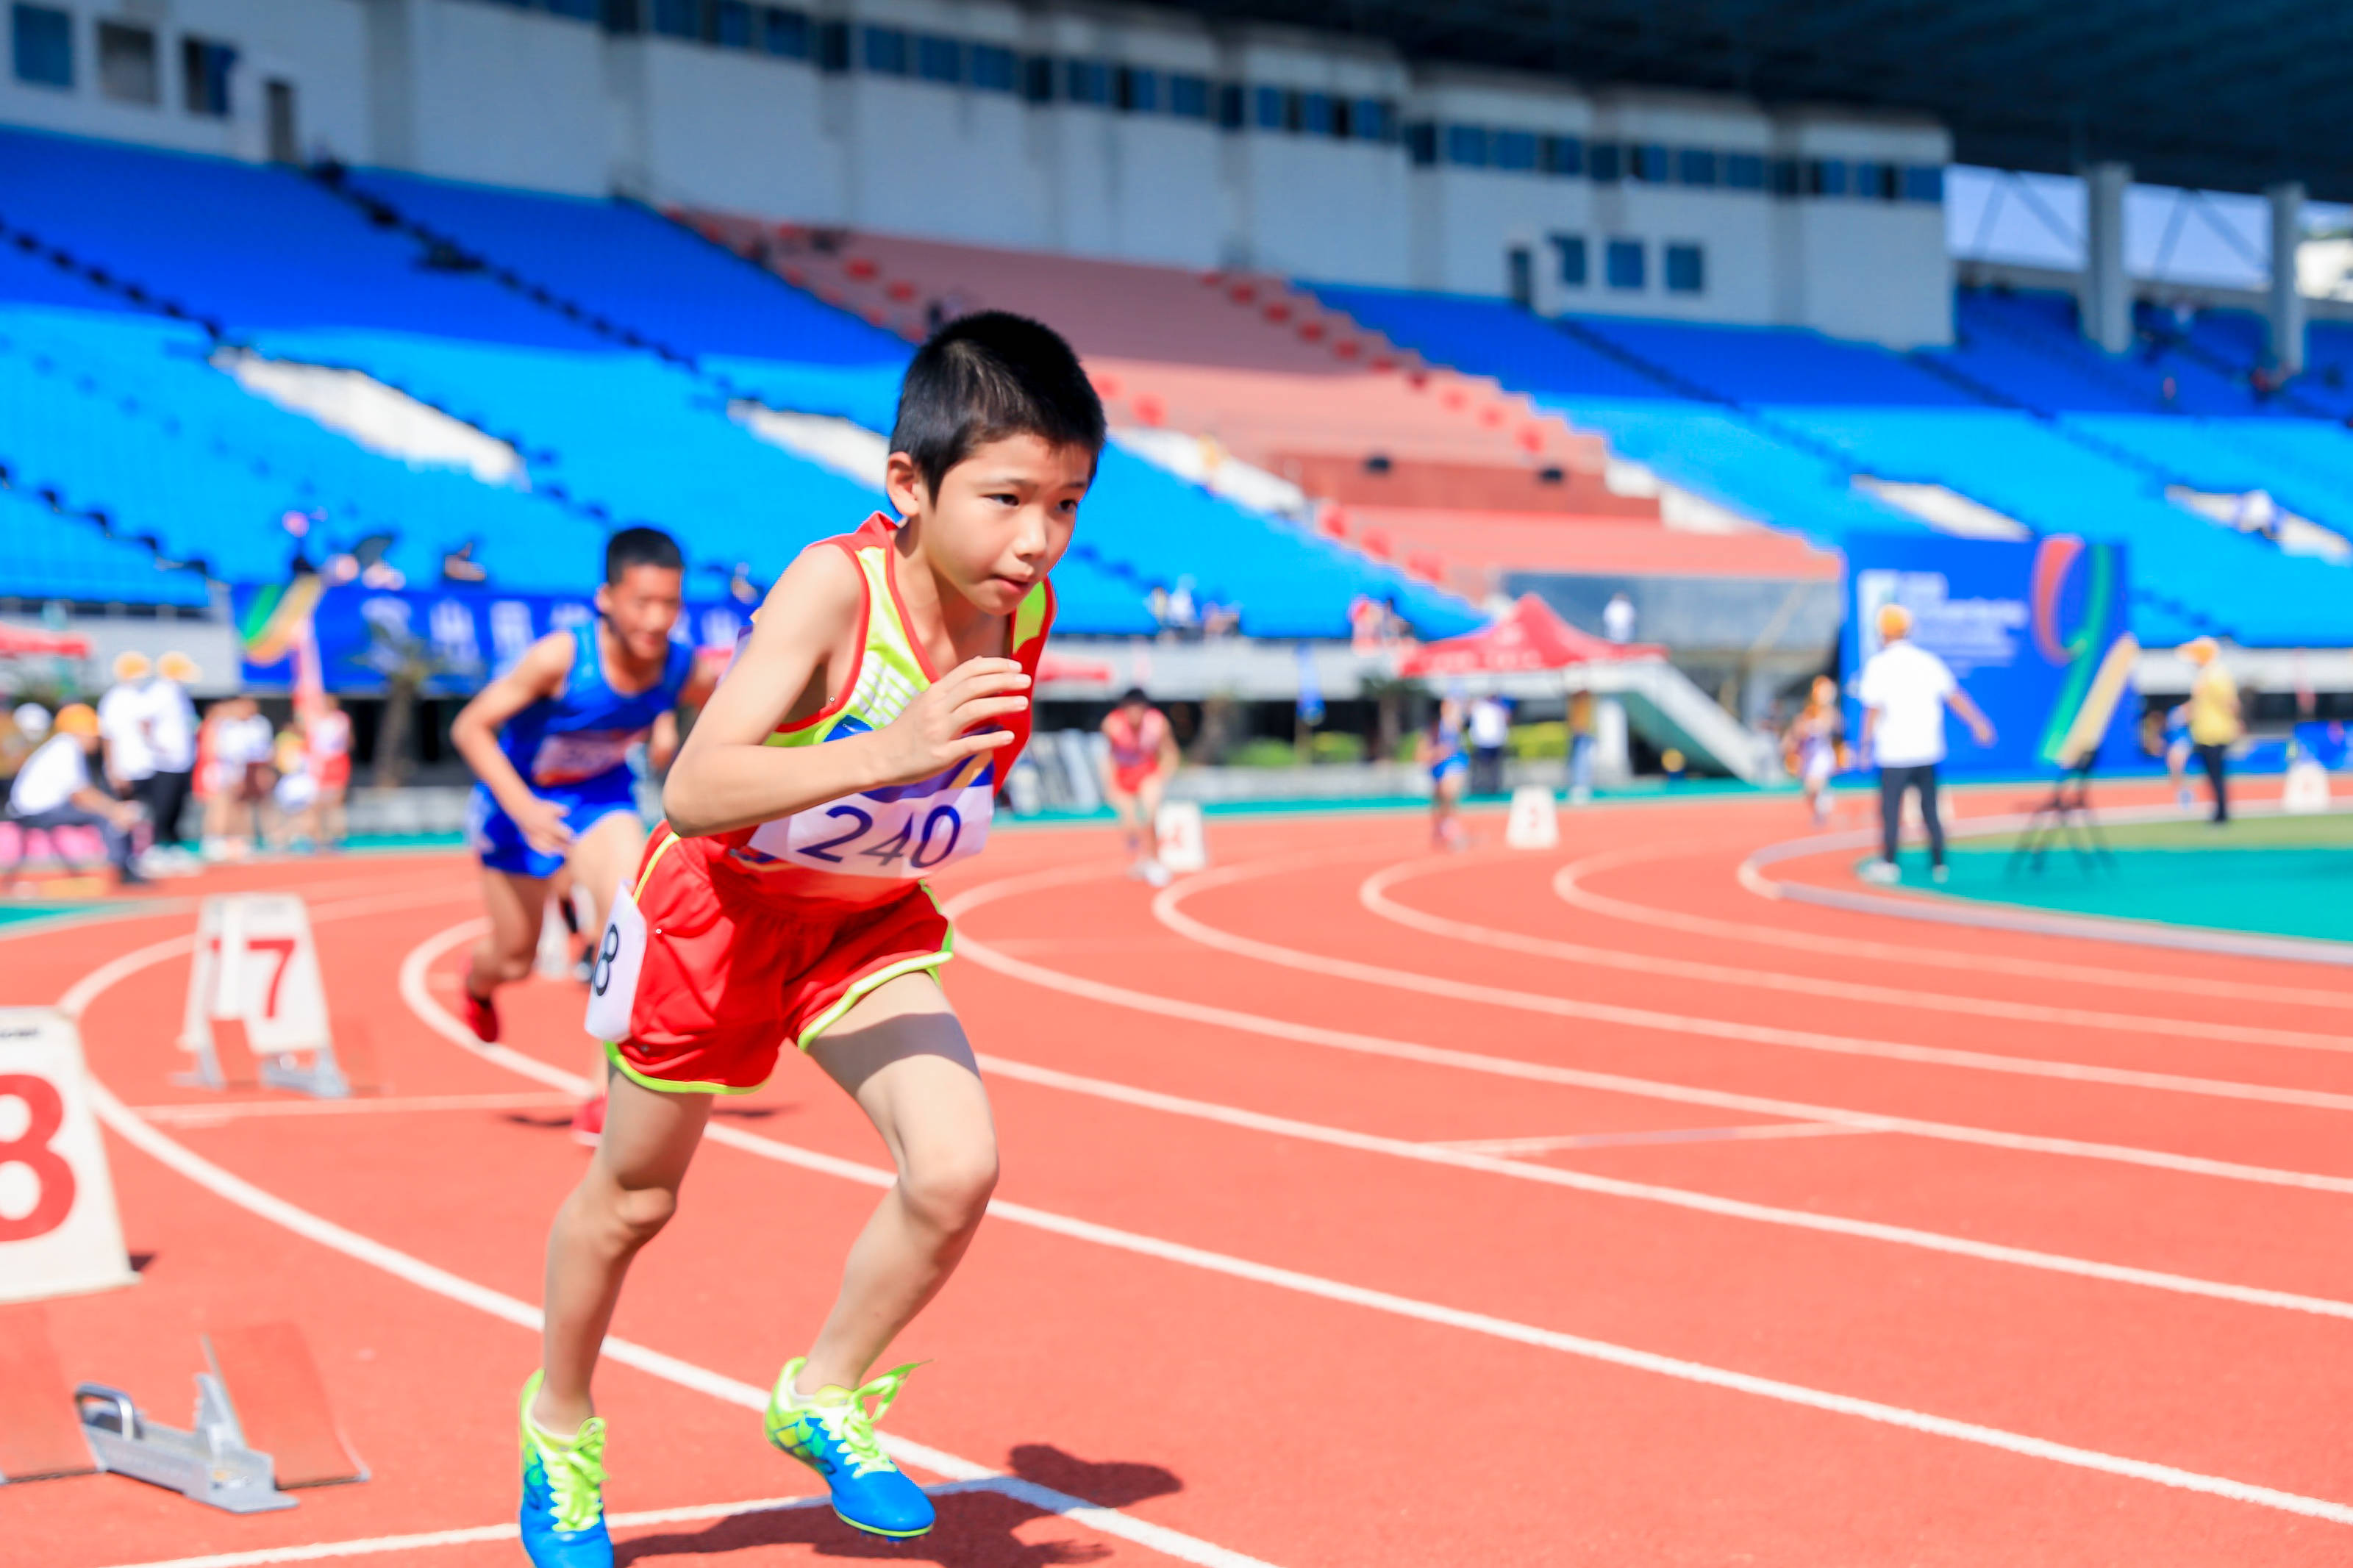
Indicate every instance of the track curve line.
{"type": "Point", "coordinates": [1568, 884]}
{"type": "Point", "coordinates": [414, 992]}
{"type": "Point", "coordinates": [1579, 1077]}
{"type": "Point", "coordinates": [1167, 906]}
{"type": "Point", "coordinates": [1373, 893]}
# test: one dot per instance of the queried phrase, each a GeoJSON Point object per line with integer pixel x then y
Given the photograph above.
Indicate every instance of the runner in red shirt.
{"type": "Point", "coordinates": [1136, 772]}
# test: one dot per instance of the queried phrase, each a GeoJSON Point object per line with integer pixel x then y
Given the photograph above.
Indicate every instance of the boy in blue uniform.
{"type": "Point", "coordinates": [550, 740]}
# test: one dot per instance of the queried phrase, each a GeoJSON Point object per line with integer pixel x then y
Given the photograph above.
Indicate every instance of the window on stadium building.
{"type": "Point", "coordinates": [41, 39]}
{"type": "Point", "coordinates": [1317, 114]}
{"type": "Point", "coordinates": [1825, 177]}
{"type": "Point", "coordinates": [1568, 254]}
{"type": "Point", "coordinates": [205, 68]}
{"type": "Point", "coordinates": [1467, 145]}
{"type": "Point", "coordinates": [1229, 106]}
{"type": "Point", "coordinates": [1686, 269]}
{"type": "Point", "coordinates": [578, 10]}
{"type": "Point", "coordinates": [1924, 182]}
{"type": "Point", "coordinates": [731, 25]}
{"type": "Point", "coordinates": [884, 50]}
{"type": "Point", "coordinates": [939, 60]}
{"type": "Point", "coordinates": [785, 34]}
{"type": "Point", "coordinates": [1516, 150]}
{"type": "Point", "coordinates": [833, 45]}
{"type": "Point", "coordinates": [1696, 166]}
{"type": "Point", "coordinates": [1743, 171]}
{"type": "Point", "coordinates": [1189, 96]}
{"type": "Point", "coordinates": [995, 67]}
{"type": "Point", "coordinates": [127, 72]}
{"type": "Point", "coordinates": [1266, 108]}
{"type": "Point", "coordinates": [1625, 264]}
{"type": "Point", "coordinates": [1602, 161]}
{"type": "Point", "coordinates": [1422, 143]}
{"type": "Point", "coordinates": [1370, 119]}
{"type": "Point", "coordinates": [1561, 156]}
{"type": "Point", "coordinates": [1038, 79]}
{"type": "Point", "coordinates": [1135, 89]}
{"type": "Point", "coordinates": [1648, 163]}
{"type": "Point", "coordinates": [677, 19]}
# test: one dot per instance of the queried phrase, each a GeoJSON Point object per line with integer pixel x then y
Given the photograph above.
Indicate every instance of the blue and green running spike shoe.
{"type": "Point", "coordinates": [832, 1432]}
{"type": "Point", "coordinates": [564, 1493]}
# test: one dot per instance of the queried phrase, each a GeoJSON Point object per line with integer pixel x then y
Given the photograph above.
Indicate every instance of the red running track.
{"type": "Point", "coordinates": [1360, 1208]}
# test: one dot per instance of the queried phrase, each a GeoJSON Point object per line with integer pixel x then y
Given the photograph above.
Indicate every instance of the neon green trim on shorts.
{"type": "Point", "coordinates": [660, 1086]}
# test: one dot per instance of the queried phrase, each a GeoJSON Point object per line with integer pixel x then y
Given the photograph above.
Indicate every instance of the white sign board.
{"type": "Point", "coordinates": [1534, 822]}
{"type": "Point", "coordinates": [2307, 789]}
{"type": "Point", "coordinates": [255, 963]}
{"type": "Point", "coordinates": [1183, 848]}
{"type": "Point", "coordinates": [59, 1229]}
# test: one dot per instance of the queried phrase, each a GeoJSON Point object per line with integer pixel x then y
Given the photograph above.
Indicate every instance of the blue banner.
{"type": "Point", "coordinates": [2035, 631]}
{"type": "Point", "coordinates": [453, 638]}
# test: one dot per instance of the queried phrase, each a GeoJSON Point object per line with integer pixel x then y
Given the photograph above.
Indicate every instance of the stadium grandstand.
{"type": "Point", "coordinates": [430, 296]}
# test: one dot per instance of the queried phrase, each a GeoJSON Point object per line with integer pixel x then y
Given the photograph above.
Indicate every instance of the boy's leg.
{"type": "Point", "coordinates": [903, 1055]}
{"type": "Point", "coordinates": [505, 951]}
{"type": "Point", "coordinates": [601, 856]}
{"type": "Point", "coordinates": [625, 1198]}
{"type": "Point", "coordinates": [1931, 816]}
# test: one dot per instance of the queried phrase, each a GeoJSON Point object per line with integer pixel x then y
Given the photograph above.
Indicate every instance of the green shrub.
{"type": "Point", "coordinates": [1336, 746]}
{"type": "Point", "coordinates": [1262, 753]}
{"type": "Point", "coordinates": [1539, 742]}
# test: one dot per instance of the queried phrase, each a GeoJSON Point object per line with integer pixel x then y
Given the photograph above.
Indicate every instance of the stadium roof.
{"type": "Point", "coordinates": [2226, 97]}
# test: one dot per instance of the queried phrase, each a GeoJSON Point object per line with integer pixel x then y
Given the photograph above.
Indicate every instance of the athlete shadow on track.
{"type": "Point", "coordinates": [976, 1529]}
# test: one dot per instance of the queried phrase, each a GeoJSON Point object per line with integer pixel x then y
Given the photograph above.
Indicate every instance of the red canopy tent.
{"type": "Point", "coordinates": [15, 640]}
{"type": "Point", "coordinates": [1529, 638]}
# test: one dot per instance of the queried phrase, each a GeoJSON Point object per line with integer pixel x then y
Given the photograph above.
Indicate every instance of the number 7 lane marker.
{"type": "Point", "coordinates": [420, 999]}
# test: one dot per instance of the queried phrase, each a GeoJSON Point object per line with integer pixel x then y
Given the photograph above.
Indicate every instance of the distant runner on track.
{"type": "Point", "coordinates": [550, 741]}
{"type": "Point", "coordinates": [853, 747]}
{"type": "Point", "coordinates": [1440, 749]}
{"type": "Point", "coordinates": [1814, 745]}
{"type": "Point", "coordinates": [1135, 774]}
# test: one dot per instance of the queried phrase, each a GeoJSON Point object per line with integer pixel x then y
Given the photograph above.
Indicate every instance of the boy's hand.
{"type": "Point", "coordinates": [542, 824]}
{"type": "Point", "coordinates": [1983, 731]}
{"type": "Point", "coordinates": [933, 732]}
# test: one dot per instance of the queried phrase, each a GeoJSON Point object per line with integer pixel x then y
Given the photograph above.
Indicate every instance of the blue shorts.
{"type": "Point", "coordinates": [1457, 764]}
{"type": "Point", "coordinates": [500, 844]}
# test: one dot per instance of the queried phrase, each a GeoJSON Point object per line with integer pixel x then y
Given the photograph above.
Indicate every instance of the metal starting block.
{"type": "Point", "coordinates": [210, 1465]}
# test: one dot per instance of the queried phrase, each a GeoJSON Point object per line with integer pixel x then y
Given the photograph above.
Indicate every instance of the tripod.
{"type": "Point", "coordinates": [2064, 816]}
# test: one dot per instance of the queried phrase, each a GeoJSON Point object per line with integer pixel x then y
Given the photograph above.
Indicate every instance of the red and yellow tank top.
{"type": "Point", "coordinates": [866, 847]}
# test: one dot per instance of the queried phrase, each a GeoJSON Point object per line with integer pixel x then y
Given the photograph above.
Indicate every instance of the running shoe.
{"type": "Point", "coordinates": [1884, 872]}
{"type": "Point", "coordinates": [481, 1016]}
{"type": "Point", "coordinates": [1940, 874]}
{"type": "Point", "coordinates": [588, 1123]}
{"type": "Point", "coordinates": [563, 1492]}
{"type": "Point", "coordinates": [1157, 874]}
{"type": "Point", "coordinates": [832, 1432]}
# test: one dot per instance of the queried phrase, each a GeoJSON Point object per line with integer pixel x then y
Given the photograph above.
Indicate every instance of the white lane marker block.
{"type": "Point", "coordinates": [1534, 822]}
{"type": "Point", "coordinates": [256, 967]}
{"type": "Point", "coordinates": [1183, 847]}
{"type": "Point", "coordinates": [2305, 792]}
{"type": "Point", "coordinates": [59, 1231]}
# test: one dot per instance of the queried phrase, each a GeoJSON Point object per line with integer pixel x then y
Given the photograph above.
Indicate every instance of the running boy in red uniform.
{"type": "Point", "coordinates": [852, 748]}
{"type": "Point", "coordinates": [1136, 772]}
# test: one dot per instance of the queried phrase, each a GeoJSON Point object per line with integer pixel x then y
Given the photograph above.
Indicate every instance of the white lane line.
{"type": "Point", "coordinates": [420, 998]}
{"type": "Point", "coordinates": [196, 1113]}
{"type": "Point", "coordinates": [497, 1304]}
{"type": "Point", "coordinates": [1570, 885]}
{"type": "Point", "coordinates": [1750, 1133]}
{"type": "Point", "coordinates": [1375, 890]}
{"type": "Point", "coordinates": [1579, 1077]}
{"type": "Point", "coordinates": [1167, 906]}
{"type": "Point", "coordinates": [1493, 1157]}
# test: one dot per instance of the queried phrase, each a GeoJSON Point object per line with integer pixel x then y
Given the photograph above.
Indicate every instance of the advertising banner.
{"type": "Point", "coordinates": [2035, 630]}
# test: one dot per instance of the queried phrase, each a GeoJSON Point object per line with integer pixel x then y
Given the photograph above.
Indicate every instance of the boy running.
{"type": "Point", "coordinates": [1141, 759]}
{"type": "Point", "coordinates": [852, 748]}
{"type": "Point", "coordinates": [550, 740]}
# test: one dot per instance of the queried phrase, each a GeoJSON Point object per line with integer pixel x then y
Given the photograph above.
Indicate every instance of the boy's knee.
{"type": "Point", "coordinates": [637, 1215]}
{"type": "Point", "coordinates": [951, 1191]}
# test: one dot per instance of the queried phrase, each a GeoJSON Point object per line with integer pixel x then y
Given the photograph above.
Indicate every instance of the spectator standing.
{"type": "Point", "coordinates": [2216, 720]}
{"type": "Point", "coordinates": [172, 734]}
{"type": "Point", "coordinates": [1491, 728]}
{"type": "Point", "coordinates": [130, 759]}
{"type": "Point", "coordinates": [328, 731]}
{"type": "Point", "coordinates": [238, 773]}
{"type": "Point", "coordinates": [54, 789]}
{"type": "Point", "coordinates": [1618, 618]}
{"type": "Point", "coordinates": [1580, 747]}
{"type": "Point", "coordinates": [1906, 690]}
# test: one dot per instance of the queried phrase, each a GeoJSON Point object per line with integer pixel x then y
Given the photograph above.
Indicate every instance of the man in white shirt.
{"type": "Point", "coordinates": [1491, 730]}
{"type": "Point", "coordinates": [1618, 618]}
{"type": "Point", "coordinates": [123, 725]}
{"type": "Point", "coordinates": [54, 790]}
{"type": "Point", "coordinates": [172, 733]}
{"type": "Point", "coordinates": [1906, 690]}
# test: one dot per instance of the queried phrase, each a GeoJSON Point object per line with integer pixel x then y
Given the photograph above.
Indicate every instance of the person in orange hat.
{"type": "Point", "coordinates": [1904, 691]}
{"type": "Point", "coordinates": [55, 789]}
{"type": "Point", "coordinates": [2216, 720]}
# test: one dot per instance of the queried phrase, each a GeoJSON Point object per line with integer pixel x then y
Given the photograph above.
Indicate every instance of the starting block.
{"type": "Point", "coordinates": [60, 1232]}
{"type": "Point", "coordinates": [1181, 845]}
{"type": "Point", "coordinates": [257, 1009]}
{"type": "Point", "coordinates": [1535, 821]}
{"type": "Point", "coordinates": [556, 958]}
{"type": "Point", "coordinates": [244, 1452]}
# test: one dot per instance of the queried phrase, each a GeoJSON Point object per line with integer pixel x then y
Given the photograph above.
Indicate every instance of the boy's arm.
{"type": "Point", "coordinates": [1972, 715]}
{"type": "Point", "coordinates": [727, 777]}
{"type": "Point", "coordinates": [539, 673]}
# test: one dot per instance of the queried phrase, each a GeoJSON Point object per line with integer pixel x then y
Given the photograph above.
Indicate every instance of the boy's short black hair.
{"type": "Point", "coordinates": [1134, 694]}
{"type": "Point", "coordinates": [641, 547]}
{"type": "Point", "coordinates": [984, 377]}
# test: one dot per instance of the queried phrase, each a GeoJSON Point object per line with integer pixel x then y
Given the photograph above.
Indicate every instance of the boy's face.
{"type": "Point", "coordinates": [641, 607]}
{"type": "Point", "coordinates": [1002, 517]}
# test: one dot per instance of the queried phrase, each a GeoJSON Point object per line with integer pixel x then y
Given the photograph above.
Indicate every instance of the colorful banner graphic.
{"type": "Point", "coordinates": [2035, 630]}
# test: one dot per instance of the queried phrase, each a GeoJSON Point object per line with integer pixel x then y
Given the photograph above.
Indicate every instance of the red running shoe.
{"type": "Point", "coordinates": [481, 1017]}
{"type": "Point", "coordinates": [588, 1123]}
